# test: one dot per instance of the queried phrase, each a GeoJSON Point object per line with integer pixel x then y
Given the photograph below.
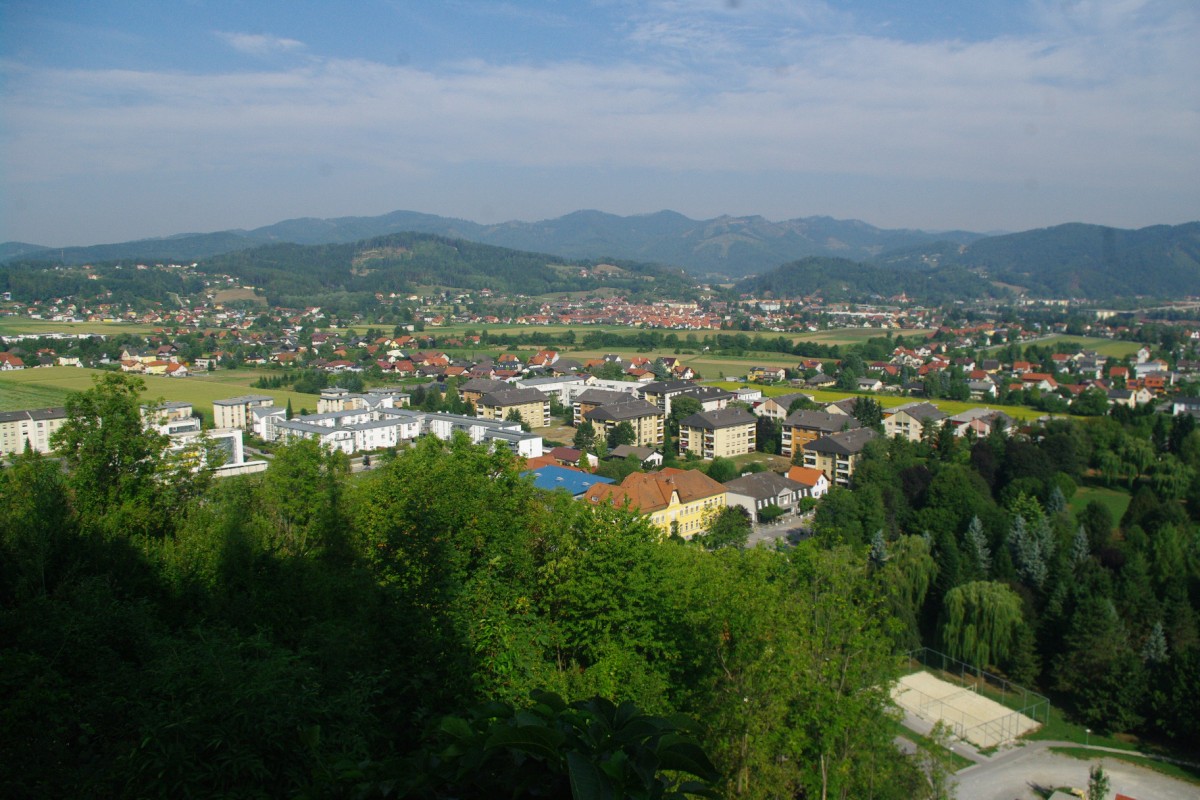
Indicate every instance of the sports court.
{"type": "Point", "coordinates": [971, 716]}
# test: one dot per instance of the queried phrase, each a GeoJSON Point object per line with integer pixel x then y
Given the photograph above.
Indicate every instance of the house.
{"type": "Point", "coordinates": [761, 490]}
{"type": "Point", "coordinates": [676, 501]}
{"type": "Point", "coordinates": [980, 422]}
{"type": "Point", "coordinates": [236, 412]}
{"type": "Point", "coordinates": [565, 387]}
{"type": "Point", "coordinates": [777, 407]}
{"type": "Point", "coordinates": [34, 427]}
{"type": "Point", "coordinates": [820, 381]}
{"type": "Point", "coordinates": [814, 481]}
{"type": "Point", "coordinates": [869, 385]}
{"type": "Point", "coordinates": [660, 393]}
{"type": "Point", "coordinates": [909, 421]}
{"type": "Point", "coordinates": [9, 361]}
{"type": "Point", "coordinates": [646, 419]}
{"type": "Point", "coordinates": [768, 374]}
{"type": "Point", "coordinates": [649, 458]}
{"type": "Point", "coordinates": [532, 406]}
{"type": "Point", "coordinates": [170, 417]}
{"type": "Point", "coordinates": [806, 426]}
{"type": "Point", "coordinates": [838, 454]}
{"type": "Point", "coordinates": [566, 456]}
{"type": "Point", "coordinates": [723, 433]}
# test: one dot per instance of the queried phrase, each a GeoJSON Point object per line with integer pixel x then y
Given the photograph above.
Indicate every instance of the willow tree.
{"type": "Point", "coordinates": [981, 622]}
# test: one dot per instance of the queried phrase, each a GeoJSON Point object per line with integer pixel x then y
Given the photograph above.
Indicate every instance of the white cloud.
{"type": "Point", "coordinates": [1114, 108]}
{"type": "Point", "coordinates": [258, 44]}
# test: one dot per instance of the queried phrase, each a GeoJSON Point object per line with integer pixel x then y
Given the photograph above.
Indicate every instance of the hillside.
{"type": "Point", "coordinates": [836, 279]}
{"type": "Point", "coordinates": [402, 262]}
{"type": "Point", "coordinates": [1077, 260]}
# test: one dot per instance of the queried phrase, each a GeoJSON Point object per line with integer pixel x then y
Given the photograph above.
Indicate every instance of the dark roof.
{"type": "Point", "coordinates": [703, 393]}
{"type": "Point", "coordinates": [810, 420]}
{"type": "Point", "coordinates": [484, 385]}
{"type": "Point", "coordinates": [845, 443]}
{"type": "Point", "coordinates": [763, 485]}
{"type": "Point", "coordinates": [626, 450]}
{"type": "Point", "coordinates": [662, 387]}
{"type": "Point", "coordinates": [721, 418]}
{"type": "Point", "coordinates": [626, 410]}
{"type": "Point", "coordinates": [513, 397]}
{"type": "Point", "coordinates": [603, 396]}
{"type": "Point", "coordinates": [922, 412]}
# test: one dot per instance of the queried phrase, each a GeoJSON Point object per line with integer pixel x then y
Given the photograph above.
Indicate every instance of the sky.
{"type": "Point", "coordinates": [122, 120]}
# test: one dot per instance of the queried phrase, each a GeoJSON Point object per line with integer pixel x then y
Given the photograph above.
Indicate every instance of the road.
{"type": "Point", "coordinates": [788, 528]}
{"type": "Point", "coordinates": [1016, 773]}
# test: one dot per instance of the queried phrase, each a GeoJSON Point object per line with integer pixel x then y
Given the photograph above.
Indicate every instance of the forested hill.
{"type": "Point", "coordinates": [404, 261]}
{"type": "Point", "coordinates": [1077, 260]}
{"type": "Point", "coordinates": [839, 279]}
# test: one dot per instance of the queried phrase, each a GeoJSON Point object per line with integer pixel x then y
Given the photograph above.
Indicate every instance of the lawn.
{"type": "Point", "coordinates": [36, 388]}
{"type": "Point", "coordinates": [1117, 500]}
{"type": "Point", "coordinates": [1116, 348]}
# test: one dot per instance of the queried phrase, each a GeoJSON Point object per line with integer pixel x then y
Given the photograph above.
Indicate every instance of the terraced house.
{"type": "Point", "coordinates": [675, 500]}
{"type": "Point", "coordinates": [727, 432]}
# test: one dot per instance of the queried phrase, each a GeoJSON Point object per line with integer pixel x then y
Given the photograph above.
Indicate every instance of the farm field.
{"type": "Point", "coordinates": [49, 386]}
{"type": "Point", "coordinates": [1117, 348]}
{"type": "Point", "coordinates": [13, 326]}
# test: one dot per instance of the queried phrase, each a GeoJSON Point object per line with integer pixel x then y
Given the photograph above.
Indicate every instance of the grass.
{"type": "Point", "coordinates": [13, 326]}
{"type": "Point", "coordinates": [1105, 347]}
{"type": "Point", "coordinates": [1117, 500]}
{"type": "Point", "coordinates": [890, 401]}
{"type": "Point", "coordinates": [1188, 774]}
{"type": "Point", "coordinates": [957, 761]}
{"type": "Point", "coordinates": [50, 386]}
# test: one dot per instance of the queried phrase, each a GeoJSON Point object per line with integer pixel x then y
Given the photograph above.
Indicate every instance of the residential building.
{"type": "Point", "coordinates": [727, 432]}
{"type": "Point", "coordinates": [565, 387]}
{"type": "Point", "coordinates": [806, 426]}
{"type": "Point", "coordinates": [476, 388]}
{"type": "Point", "coordinates": [646, 419]}
{"type": "Point", "coordinates": [760, 490]}
{"type": "Point", "coordinates": [675, 500]}
{"type": "Point", "coordinates": [237, 412]}
{"type": "Point", "coordinates": [532, 406]}
{"type": "Point", "coordinates": [34, 426]}
{"type": "Point", "coordinates": [649, 458]}
{"type": "Point", "coordinates": [591, 399]}
{"type": "Point", "coordinates": [777, 407]}
{"type": "Point", "coordinates": [660, 393]}
{"type": "Point", "coordinates": [909, 421]}
{"type": "Point", "coordinates": [170, 418]}
{"type": "Point", "coordinates": [838, 454]}
{"type": "Point", "coordinates": [814, 481]}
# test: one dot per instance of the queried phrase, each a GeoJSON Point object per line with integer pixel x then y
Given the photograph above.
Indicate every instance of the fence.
{"type": "Point", "coordinates": [1022, 702]}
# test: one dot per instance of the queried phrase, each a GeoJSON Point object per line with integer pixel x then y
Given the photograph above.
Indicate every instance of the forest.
{"type": "Point", "coordinates": [999, 570]}
{"type": "Point", "coordinates": [436, 627]}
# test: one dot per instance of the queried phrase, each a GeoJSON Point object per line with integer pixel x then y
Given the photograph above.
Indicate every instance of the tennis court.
{"type": "Point", "coordinates": [971, 716]}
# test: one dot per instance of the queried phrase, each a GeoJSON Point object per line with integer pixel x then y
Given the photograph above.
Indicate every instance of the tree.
{"type": "Point", "coordinates": [977, 546]}
{"type": "Point", "coordinates": [722, 469]}
{"type": "Point", "coordinates": [112, 458]}
{"type": "Point", "coordinates": [869, 412]}
{"type": "Point", "coordinates": [585, 436]}
{"type": "Point", "coordinates": [514, 415]}
{"type": "Point", "coordinates": [1098, 787]}
{"type": "Point", "coordinates": [621, 433]}
{"type": "Point", "coordinates": [729, 526]}
{"type": "Point", "coordinates": [981, 620]}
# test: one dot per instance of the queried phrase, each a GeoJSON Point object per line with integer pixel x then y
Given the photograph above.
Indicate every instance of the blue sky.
{"type": "Point", "coordinates": [123, 120]}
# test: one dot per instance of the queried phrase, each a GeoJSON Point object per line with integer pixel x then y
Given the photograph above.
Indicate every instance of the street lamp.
{"type": "Point", "coordinates": [1088, 731]}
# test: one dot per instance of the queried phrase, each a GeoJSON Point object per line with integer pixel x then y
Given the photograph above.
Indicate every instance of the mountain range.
{"type": "Point", "coordinates": [730, 246]}
{"type": "Point", "coordinates": [1071, 260]}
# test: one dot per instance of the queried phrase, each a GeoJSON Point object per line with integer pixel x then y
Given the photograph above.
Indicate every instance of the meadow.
{"type": "Point", "coordinates": [15, 326]}
{"type": "Point", "coordinates": [49, 386]}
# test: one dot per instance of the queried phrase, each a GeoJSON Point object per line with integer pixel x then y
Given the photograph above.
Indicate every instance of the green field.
{"type": "Point", "coordinates": [889, 401]}
{"type": "Point", "coordinates": [1116, 348]}
{"type": "Point", "coordinates": [49, 386]}
{"type": "Point", "coordinates": [1117, 500]}
{"type": "Point", "coordinates": [13, 326]}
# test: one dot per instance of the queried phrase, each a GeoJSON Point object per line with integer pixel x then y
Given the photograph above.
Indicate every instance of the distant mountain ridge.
{"type": "Point", "coordinates": [734, 246]}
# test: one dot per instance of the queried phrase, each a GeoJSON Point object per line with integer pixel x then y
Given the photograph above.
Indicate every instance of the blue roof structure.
{"type": "Point", "coordinates": [555, 477]}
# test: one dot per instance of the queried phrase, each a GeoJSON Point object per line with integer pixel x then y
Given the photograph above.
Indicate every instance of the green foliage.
{"type": "Point", "coordinates": [729, 526]}
{"type": "Point", "coordinates": [1098, 784]}
{"type": "Point", "coordinates": [981, 620]}
{"type": "Point", "coordinates": [722, 469]}
{"type": "Point", "coordinates": [587, 750]}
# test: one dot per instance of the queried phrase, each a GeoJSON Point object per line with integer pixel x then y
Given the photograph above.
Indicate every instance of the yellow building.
{"type": "Point", "coordinates": [675, 500]}
{"type": "Point", "coordinates": [532, 405]}
{"type": "Point", "coordinates": [726, 432]}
